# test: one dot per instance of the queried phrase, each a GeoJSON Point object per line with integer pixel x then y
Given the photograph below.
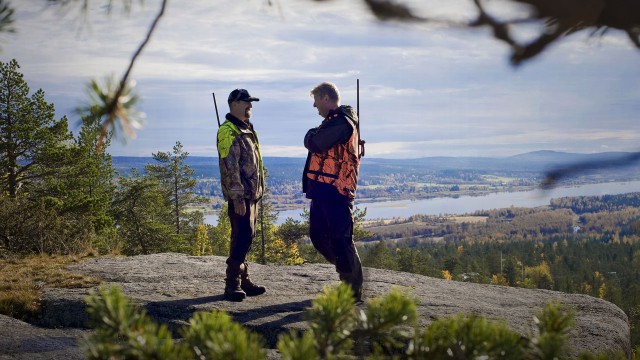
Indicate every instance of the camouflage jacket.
{"type": "Point", "coordinates": [241, 171]}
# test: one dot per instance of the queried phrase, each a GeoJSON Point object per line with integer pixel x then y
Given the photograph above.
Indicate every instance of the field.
{"type": "Point", "coordinates": [425, 230]}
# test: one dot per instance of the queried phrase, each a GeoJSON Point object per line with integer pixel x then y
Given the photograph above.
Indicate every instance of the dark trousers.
{"type": "Point", "coordinates": [243, 230]}
{"type": "Point", "coordinates": [331, 232]}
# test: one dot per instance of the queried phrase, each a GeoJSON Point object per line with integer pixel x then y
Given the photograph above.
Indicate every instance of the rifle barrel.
{"type": "Point", "coordinates": [358, 101]}
{"type": "Point", "coordinates": [216, 105]}
{"type": "Point", "coordinates": [360, 141]}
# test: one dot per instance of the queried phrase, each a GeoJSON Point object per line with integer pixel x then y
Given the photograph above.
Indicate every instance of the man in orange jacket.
{"type": "Point", "coordinates": [330, 180]}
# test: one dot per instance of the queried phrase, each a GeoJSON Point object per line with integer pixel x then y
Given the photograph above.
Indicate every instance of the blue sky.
{"type": "Point", "coordinates": [424, 90]}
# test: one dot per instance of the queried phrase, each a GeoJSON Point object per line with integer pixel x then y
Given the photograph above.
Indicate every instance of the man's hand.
{"type": "Point", "coordinates": [238, 207]}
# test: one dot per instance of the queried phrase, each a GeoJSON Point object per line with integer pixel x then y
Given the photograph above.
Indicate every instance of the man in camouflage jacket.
{"type": "Point", "coordinates": [242, 179]}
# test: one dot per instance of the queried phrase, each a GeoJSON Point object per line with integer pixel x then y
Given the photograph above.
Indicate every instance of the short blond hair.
{"type": "Point", "coordinates": [328, 89]}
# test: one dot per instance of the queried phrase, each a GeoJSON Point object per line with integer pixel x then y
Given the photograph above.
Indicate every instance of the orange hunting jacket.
{"type": "Point", "coordinates": [333, 157]}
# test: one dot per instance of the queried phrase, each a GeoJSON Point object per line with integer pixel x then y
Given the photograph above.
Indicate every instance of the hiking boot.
{"type": "Point", "coordinates": [252, 289]}
{"type": "Point", "coordinates": [357, 296]}
{"type": "Point", "coordinates": [233, 291]}
{"type": "Point", "coordinates": [248, 286]}
{"type": "Point", "coordinates": [357, 289]}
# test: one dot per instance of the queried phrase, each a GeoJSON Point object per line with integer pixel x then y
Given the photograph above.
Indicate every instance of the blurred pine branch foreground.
{"type": "Point", "coordinates": [338, 329]}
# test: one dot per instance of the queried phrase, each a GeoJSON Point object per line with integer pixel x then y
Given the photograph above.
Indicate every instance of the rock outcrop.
{"type": "Point", "coordinates": [174, 286]}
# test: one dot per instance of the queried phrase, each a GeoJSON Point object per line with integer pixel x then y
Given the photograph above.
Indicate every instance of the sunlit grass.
{"type": "Point", "coordinates": [22, 279]}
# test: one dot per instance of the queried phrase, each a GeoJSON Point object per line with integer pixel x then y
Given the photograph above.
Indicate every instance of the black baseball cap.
{"type": "Point", "coordinates": [241, 95]}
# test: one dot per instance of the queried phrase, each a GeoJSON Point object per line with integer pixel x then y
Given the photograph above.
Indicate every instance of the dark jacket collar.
{"type": "Point", "coordinates": [343, 110]}
{"type": "Point", "coordinates": [239, 123]}
{"type": "Point", "coordinates": [333, 113]}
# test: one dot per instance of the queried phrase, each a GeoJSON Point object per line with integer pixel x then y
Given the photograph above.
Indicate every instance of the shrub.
{"type": "Point", "coordinates": [337, 329]}
{"type": "Point", "coordinates": [214, 335]}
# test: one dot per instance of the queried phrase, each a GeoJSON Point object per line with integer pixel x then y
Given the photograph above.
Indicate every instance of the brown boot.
{"type": "Point", "coordinates": [232, 289]}
{"type": "Point", "coordinates": [349, 269]}
{"type": "Point", "coordinates": [355, 286]}
{"type": "Point", "coordinates": [249, 287]}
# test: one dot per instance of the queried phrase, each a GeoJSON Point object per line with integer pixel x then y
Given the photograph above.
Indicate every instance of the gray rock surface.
{"type": "Point", "coordinates": [19, 340]}
{"type": "Point", "coordinates": [174, 286]}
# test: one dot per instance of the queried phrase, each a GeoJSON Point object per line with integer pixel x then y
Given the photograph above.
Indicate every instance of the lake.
{"type": "Point", "coordinates": [468, 204]}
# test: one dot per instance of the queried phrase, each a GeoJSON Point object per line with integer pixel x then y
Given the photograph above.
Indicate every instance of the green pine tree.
{"type": "Point", "coordinates": [220, 235]}
{"type": "Point", "coordinates": [34, 152]}
{"type": "Point", "coordinates": [140, 210]}
{"type": "Point", "coordinates": [267, 218]}
{"type": "Point", "coordinates": [176, 178]}
{"type": "Point", "coordinates": [33, 141]}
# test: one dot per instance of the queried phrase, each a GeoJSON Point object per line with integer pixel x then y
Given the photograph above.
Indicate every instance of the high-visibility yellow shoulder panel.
{"type": "Point", "coordinates": [226, 134]}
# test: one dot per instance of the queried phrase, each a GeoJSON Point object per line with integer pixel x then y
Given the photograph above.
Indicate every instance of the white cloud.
{"type": "Point", "coordinates": [425, 90]}
{"type": "Point", "coordinates": [284, 151]}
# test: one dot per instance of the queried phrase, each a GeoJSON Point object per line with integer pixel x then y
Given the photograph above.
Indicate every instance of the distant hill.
{"type": "Point", "coordinates": [288, 167]}
{"type": "Point", "coordinates": [207, 167]}
{"type": "Point", "coordinates": [546, 159]}
{"type": "Point", "coordinates": [536, 161]}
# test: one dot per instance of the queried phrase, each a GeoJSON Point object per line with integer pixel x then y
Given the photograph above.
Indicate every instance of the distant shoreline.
{"type": "Point", "coordinates": [457, 194]}
{"type": "Point", "coordinates": [488, 200]}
